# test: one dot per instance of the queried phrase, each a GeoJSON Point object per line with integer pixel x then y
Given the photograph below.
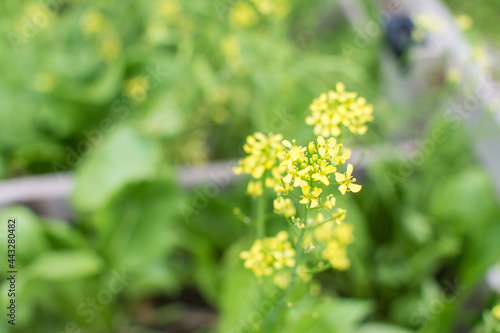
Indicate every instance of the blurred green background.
{"type": "Point", "coordinates": [127, 95]}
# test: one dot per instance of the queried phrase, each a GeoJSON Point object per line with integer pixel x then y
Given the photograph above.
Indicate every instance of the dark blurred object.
{"type": "Point", "coordinates": [398, 34]}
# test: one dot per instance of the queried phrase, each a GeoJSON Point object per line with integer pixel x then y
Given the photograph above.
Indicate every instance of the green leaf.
{"type": "Point", "coordinates": [327, 315]}
{"type": "Point", "coordinates": [65, 265]}
{"type": "Point", "coordinates": [30, 240]}
{"type": "Point", "coordinates": [63, 234]}
{"type": "Point", "coordinates": [239, 292]}
{"type": "Point", "coordinates": [417, 225]}
{"type": "Point", "coordinates": [125, 156]}
{"type": "Point", "coordinates": [140, 224]}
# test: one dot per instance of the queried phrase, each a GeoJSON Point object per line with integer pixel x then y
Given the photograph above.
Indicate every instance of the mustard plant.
{"type": "Point", "coordinates": [305, 180]}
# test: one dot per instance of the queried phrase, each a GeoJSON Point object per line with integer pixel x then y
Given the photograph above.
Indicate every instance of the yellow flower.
{"type": "Point", "coordinates": [346, 181]}
{"type": "Point", "coordinates": [284, 206]}
{"type": "Point", "coordinates": [257, 259]}
{"type": "Point", "coordinates": [303, 273]}
{"type": "Point", "coordinates": [330, 202]}
{"type": "Point", "coordinates": [262, 155]}
{"type": "Point", "coordinates": [282, 279]}
{"type": "Point", "coordinates": [311, 167]}
{"type": "Point", "coordinates": [339, 108]}
{"type": "Point", "coordinates": [344, 233]}
{"type": "Point", "coordinates": [326, 231]}
{"type": "Point", "coordinates": [269, 255]}
{"type": "Point", "coordinates": [309, 196]}
{"type": "Point", "coordinates": [242, 15]}
{"type": "Point", "coordinates": [339, 215]}
{"type": "Point", "coordinates": [496, 311]}
{"type": "Point", "coordinates": [255, 188]}
{"type": "Point", "coordinates": [336, 255]}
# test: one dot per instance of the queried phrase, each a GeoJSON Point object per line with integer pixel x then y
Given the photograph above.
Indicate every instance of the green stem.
{"type": "Point", "coordinates": [326, 221]}
{"type": "Point", "coordinates": [281, 309]}
{"type": "Point", "coordinates": [261, 216]}
{"type": "Point", "coordinates": [298, 251]}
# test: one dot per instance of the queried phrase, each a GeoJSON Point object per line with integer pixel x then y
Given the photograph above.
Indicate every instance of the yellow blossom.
{"type": "Point", "coordinates": [336, 255]}
{"type": "Point", "coordinates": [269, 255]}
{"type": "Point", "coordinates": [242, 15]}
{"type": "Point", "coordinates": [310, 196]}
{"type": "Point", "coordinates": [255, 189]}
{"type": "Point", "coordinates": [344, 233]}
{"type": "Point", "coordinates": [303, 273]}
{"type": "Point", "coordinates": [262, 154]}
{"type": "Point", "coordinates": [347, 181]}
{"type": "Point", "coordinates": [330, 202]}
{"type": "Point", "coordinates": [282, 279]}
{"type": "Point", "coordinates": [311, 167]}
{"type": "Point", "coordinates": [339, 108]}
{"type": "Point", "coordinates": [284, 206]}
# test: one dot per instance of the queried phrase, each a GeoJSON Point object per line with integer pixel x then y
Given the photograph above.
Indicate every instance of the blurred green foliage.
{"type": "Point", "coordinates": [124, 92]}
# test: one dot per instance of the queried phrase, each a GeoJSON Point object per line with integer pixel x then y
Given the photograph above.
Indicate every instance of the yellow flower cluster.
{"type": "Point", "coordinates": [262, 155]}
{"type": "Point", "coordinates": [310, 167]}
{"type": "Point", "coordinates": [269, 255]}
{"type": "Point", "coordinates": [336, 108]}
{"type": "Point", "coordinates": [284, 206]}
{"type": "Point", "coordinates": [286, 166]}
{"type": "Point", "coordinates": [336, 237]}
